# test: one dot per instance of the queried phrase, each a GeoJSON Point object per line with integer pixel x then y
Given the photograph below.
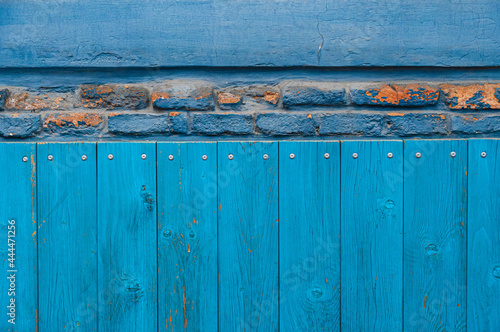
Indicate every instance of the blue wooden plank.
{"type": "Point", "coordinates": [483, 254]}
{"type": "Point", "coordinates": [248, 236]}
{"type": "Point", "coordinates": [187, 236]}
{"type": "Point", "coordinates": [435, 252]}
{"type": "Point", "coordinates": [309, 236]}
{"type": "Point", "coordinates": [18, 227]}
{"type": "Point", "coordinates": [67, 250]}
{"type": "Point", "coordinates": [127, 236]}
{"type": "Point", "coordinates": [372, 235]}
{"type": "Point", "coordinates": [118, 33]}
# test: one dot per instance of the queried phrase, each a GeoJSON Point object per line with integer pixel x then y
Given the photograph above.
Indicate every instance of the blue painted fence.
{"type": "Point", "coordinates": [251, 236]}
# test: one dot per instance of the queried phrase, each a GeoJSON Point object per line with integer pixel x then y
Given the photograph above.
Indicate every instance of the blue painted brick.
{"type": "Point", "coordinates": [76, 124]}
{"type": "Point", "coordinates": [17, 125]}
{"type": "Point", "coordinates": [145, 124]}
{"type": "Point", "coordinates": [352, 123]}
{"type": "Point", "coordinates": [475, 124]}
{"type": "Point", "coordinates": [417, 124]}
{"type": "Point", "coordinates": [216, 124]}
{"type": "Point", "coordinates": [184, 96]}
{"type": "Point", "coordinates": [114, 96]}
{"type": "Point", "coordinates": [4, 94]}
{"type": "Point", "coordinates": [313, 94]}
{"type": "Point", "coordinates": [280, 124]}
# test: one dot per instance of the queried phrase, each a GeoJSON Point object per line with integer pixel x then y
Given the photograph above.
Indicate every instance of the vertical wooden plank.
{"type": "Point", "coordinates": [435, 252]}
{"type": "Point", "coordinates": [309, 236]}
{"type": "Point", "coordinates": [248, 236]}
{"type": "Point", "coordinates": [18, 226]}
{"type": "Point", "coordinates": [127, 237]}
{"type": "Point", "coordinates": [483, 258]}
{"type": "Point", "coordinates": [372, 236]}
{"type": "Point", "coordinates": [67, 250]}
{"type": "Point", "coordinates": [187, 236]}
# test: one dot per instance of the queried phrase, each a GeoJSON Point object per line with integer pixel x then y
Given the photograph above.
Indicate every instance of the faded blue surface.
{"type": "Point", "coordinates": [55, 33]}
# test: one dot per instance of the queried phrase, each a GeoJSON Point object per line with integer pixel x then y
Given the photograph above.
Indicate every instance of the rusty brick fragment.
{"type": "Point", "coordinates": [474, 96]}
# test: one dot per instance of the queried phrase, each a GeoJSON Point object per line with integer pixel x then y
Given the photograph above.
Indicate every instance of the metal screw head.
{"type": "Point", "coordinates": [170, 157]}
{"type": "Point", "coordinates": [143, 156]}
{"type": "Point", "coordinates": [230, 157]}
{"type": "Point", "coordinates": [390, 155]}
{"type": "Point", "coordinates": [453, 154]}
{"type": "Point", "coordinates": [483, 154]}
{"type": "Point", "coordinates": [418, 155]}
{"type": "Point", "coordinates": [110, 156]}
{"type": "Point", "coordinates": [292, 155]}
{"type": "Point", "coordinates": [50, 157]}
{"type": "Point", "coordinates": [355, 155]}
{"type": "Point", "coordinates": [25, 159]}
{"type": "Point", "coordinates": [204, 157]}
{"type": "Point", "coordinates": [84, 157]}
{"type": "Point", "coordinates": [265, 156]}
{"type": "Point", "coordinates": [327, 155]}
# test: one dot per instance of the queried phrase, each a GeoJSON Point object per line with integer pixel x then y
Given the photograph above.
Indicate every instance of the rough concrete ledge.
{"type": "Point", "coordinates": [291, 108]}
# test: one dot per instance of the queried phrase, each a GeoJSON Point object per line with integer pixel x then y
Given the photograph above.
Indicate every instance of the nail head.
{"type": "Point", "coordinates": [204, 157]}
{"type": "Point", "coordinates": [327, 155]}
{"type": "Point", "coordinates": [265, 156]}
{"type": "Point", "coordinates": [355, 155]}
{"type": "Point", "coordinates": [25, 159]}
{"type": "Point", "coordinates": [292, 155]}
{"type": "Point", "coordinates": [170, 157]}
{"type": "Point", "coordinates": [418, 155]}
{"type": "Point", "coordinates": [50, 157]}
{"type": "Point", "coordinates": [230, 157]}
{"type": "Point", "coordinates": [143, 156]}
{"type": "Point", "coordinates": [453, 154]}
{"type": "Point", "coordinates": [84, 157]}
{"type": "Point", "coordinates": [110, 156]}
{"type": "Point", "coordinates": [483, 154]}
{"type": "Point", "coordinates": [390, 155]}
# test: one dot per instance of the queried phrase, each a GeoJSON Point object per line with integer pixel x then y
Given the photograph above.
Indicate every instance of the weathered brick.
{"type": "Point", "coordinates": [217, 123]}
{"type": "Point", "coordinates": [145, 124]}
{"type": "Point", "coordinates": [18, 125]}
{"type": "Point", "coordinates": [184, 96]}
{"type": "Point", "coordinates": [313, 94]}
{"type": "Point", "coordinates": [281, 124]}
{"type": "Point", "coordinates": [350, 123]}
{"type": "Point", "coordinates": [474, 96]}
{"type": "Point", "coordinates": [475, 124]}
{"type": "Point", "coordinates": [22, 100]}
{"type": "Point", "coordinates": [4, 94]}
{"type": "Point", "coordinates": [412, 124]}
{"type": "Point", "coordinates": [73, 123]}
{"type": "Point", "coordinates": [412, 95]}
{"type": "Point", "coordinates": [114, 96]}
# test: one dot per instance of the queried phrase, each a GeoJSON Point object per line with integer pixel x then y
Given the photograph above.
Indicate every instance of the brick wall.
{"type": "Point", "coordinates": [290, 108]}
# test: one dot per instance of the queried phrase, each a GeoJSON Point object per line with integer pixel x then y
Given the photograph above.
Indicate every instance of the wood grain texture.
{"type": "Point", "coordinates": [309, 236]}
{"type": "Point", "coordinates": [187, 236]}
{"type": "Point", "coordinates": [435, 226]}
{"type": "Point", "coordinates": [483, 253]}
{"type": "Point", "coordinates": [127, 228]}
{"type": "Point", "coordinates": [372, 236]}
{"type": "Point", "coordinates": [165, 33]}
{"type": "Point", "coordinates": [248, 236]}
{"type": "Point", "coordinates": [67, 250]}
{"type": "Point", "coordinates": [19, 201]}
